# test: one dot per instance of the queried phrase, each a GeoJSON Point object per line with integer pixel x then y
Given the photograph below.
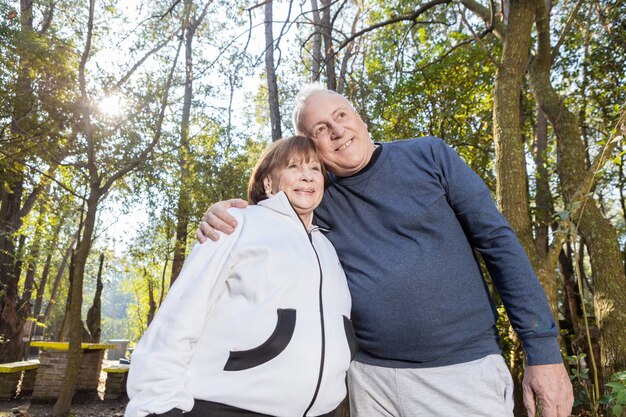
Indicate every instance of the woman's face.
{"type": "Point", "coordinates": [302, 181]}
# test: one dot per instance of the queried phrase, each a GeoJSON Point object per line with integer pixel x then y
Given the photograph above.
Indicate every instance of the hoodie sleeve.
{"type": "Point", "coordinates": [159, 365]}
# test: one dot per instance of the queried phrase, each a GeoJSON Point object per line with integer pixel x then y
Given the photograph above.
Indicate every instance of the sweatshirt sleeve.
{"type": "Point", "coordinates": [159, 363]}
{"type": "Point", "coordinates": [489, 233]}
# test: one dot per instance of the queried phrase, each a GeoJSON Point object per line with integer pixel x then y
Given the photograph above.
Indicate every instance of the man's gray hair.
{"type": "Point", "coordinates": [307, 91]}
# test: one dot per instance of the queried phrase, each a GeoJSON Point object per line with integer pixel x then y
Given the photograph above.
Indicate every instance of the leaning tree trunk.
{"type": "Point", "coordinates": [598, 233]}
{"type": "Point", "coordinates": [184, 152]}
{"type": "Point", "coordinates": [64, 401]}
{"type": "Point", "coordinates": [183, 209]}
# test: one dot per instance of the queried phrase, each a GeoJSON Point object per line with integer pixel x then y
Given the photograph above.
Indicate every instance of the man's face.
{"type": "Point", "coordinates": [339, 133]}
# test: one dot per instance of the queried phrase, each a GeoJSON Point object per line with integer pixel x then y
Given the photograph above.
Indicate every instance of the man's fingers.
{"type": "Point", "coordinates": [548, 385]}
{"type": "Point", "coordinates": [529, 401]}
{"type": "Point", "coordinates": [238, 203]}
{"type": "Point", "coordinates": [206, 231]}
{"type": "Point", "coordinates": [221, 221]}
{"type": "Point", "coordinates": [217, 219]}
{"type": "Point", "coordinates": [217, 215]}
{"type": "Point", "coordinates": [200, 237]}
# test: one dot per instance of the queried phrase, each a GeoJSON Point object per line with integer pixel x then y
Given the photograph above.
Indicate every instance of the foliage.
{"type": "Point", "coordinates": [432, 85]}
{"type": "Point", "coordinates": [425, 76]}
{"type": "Point", "coordinates": [614, 399]}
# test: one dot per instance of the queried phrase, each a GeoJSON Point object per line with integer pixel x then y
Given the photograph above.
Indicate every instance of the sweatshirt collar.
{"type": "Point", "coordinates": [279, 203]}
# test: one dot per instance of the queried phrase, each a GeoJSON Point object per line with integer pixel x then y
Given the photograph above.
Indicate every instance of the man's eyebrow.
{"type": "Point", "coordinates": [340, 108]}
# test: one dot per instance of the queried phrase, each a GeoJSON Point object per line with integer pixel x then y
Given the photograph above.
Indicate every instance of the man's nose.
{"type": "Point", "coordinates": [337, 130]}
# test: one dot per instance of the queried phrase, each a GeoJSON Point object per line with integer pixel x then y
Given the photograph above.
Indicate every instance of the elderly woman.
{"type": "Point", "coordinates": [257, 323]}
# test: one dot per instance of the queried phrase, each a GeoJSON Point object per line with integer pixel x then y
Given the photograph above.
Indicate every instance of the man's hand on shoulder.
{"type": "Point", "coordinates": [550, 385]}
{"type": "Point", "coordinates": [217, 219]}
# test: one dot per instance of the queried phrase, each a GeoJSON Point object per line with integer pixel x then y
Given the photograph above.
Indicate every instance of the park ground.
{"type": "Point", "coordinates": [81, 407]}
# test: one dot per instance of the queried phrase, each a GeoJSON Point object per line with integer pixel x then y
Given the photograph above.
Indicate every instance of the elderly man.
{"type": "Point", "coordinates": [406, 219]}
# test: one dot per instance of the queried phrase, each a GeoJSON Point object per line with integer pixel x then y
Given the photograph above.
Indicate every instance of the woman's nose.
{"type": "Point", "coordinates": [307, 174]}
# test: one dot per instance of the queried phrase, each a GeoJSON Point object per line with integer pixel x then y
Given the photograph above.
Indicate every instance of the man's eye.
{"type": "Point", "coordinates": [320, 130]}
{"type": "Point", "coordinates": [342, 115]}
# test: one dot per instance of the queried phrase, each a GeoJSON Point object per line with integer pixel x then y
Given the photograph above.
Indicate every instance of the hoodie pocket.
{"type": "Point", "coordinates": [268, 350]}
{"type": "Point", "coordinates": [350, 336]}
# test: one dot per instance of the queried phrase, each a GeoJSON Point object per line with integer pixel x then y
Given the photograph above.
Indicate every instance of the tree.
{"type": "Point", "coordinates": [576, 181]}
{"type": "Point", "coordinates": [190, 25]}
{"type": "Point", "coordinates": [101, 178]}
{"type": "Point", "coordinates": [37, 119]}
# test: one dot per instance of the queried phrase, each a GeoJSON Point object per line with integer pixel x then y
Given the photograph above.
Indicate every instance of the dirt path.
{"type": "Point", "coordinates": [81, 407]}
{"type": "Point", "coordinates": [96, 408]}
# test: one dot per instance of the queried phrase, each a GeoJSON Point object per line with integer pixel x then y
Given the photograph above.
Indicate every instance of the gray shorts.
{"type": "Point", "coordinates": [483, 387]}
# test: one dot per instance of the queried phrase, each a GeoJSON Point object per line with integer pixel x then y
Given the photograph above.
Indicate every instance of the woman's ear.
{"type": "Point", "coordinates": [267, 186]}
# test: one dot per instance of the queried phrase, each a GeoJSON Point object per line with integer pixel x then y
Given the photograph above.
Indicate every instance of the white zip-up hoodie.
{"type": "Point", "coordinates": [257, 320]}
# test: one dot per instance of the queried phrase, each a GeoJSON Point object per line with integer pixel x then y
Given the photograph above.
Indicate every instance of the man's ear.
{"type": "Point", "coordinates": [267, 186]}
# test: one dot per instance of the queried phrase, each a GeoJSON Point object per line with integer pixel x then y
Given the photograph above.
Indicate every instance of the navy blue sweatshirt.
{"type": "Point", "coordinates": [406, 229]}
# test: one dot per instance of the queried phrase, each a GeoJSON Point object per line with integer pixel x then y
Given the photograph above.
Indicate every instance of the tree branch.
{"type": "Point", "coordinates": [488, 16]}
{"type": "Point", "coordinates": [479, 39]}
{"type": "Point", "coordinates": [133, 163]}
{"type": "Point", "coordinates": [408, 17]}
{"type": "Point", "coordinates": [139, 63]}
{"type": "Point", "coordinates": [566, 29]}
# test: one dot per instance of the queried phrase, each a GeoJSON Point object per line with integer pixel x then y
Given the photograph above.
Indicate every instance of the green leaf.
{"type": "Point", "coordinates": [616, 385]}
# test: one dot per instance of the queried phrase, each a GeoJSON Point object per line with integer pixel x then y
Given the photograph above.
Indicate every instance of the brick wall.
{"type": "Point", "coordinates": [115, 385]}
{"type": "Point", "coordinates": [8, 384]}
{"type": "Point", "coordinates": [51, 373]}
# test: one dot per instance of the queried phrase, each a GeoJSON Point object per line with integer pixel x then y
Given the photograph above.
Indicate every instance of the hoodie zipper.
{"type": "Point", "coordinates": [321, 305]}
{"type": "Point", "coordinates": [322, 328]}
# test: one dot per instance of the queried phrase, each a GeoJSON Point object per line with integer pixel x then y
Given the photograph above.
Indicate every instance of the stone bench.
{"type": "Point", "coordinates": [115, 387]}
{"type": "Point", "coordinates": [10, 375]}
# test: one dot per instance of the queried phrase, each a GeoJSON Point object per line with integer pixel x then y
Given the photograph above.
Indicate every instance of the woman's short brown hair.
{"type": "Point", "coordinates": [277, 156]}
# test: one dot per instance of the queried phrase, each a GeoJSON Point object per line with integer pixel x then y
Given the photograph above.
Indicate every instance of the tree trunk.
{"type": "Point", "coordinates": [183, 209]}
{"type": "Point", "coordinates": [347, 54]}
{"type": "Point", "coordinates": [43, 281]}
{"type": "Point", "coordinates": [151, 300]}
{"type": "Point", "coordinates": [272, 83]}
{"type": "Point", "coordinates": [57, 282]}
{"type": "Point", "coordinates": [543, 197]}
{"type": "Point", "coordinates": [329, 55]}
{"type": "Point", "coordinates": [64, 401]}
{"type": "Point", "coordinates": [511, 175]}
{"type": "Point", "coordinates": [33, 258]}
{"type": "Point", "coordinates": [597, 232]}
{"type": "Point", "coordinates": [94, 313]}
{"type": "Point", "coordinates": [316, 50]}
{"type": "Point", "coordinates": [12, 312]}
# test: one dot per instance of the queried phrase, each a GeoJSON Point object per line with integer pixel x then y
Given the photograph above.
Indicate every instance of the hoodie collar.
{"type": "Point", "coordinates": [280, 203]}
